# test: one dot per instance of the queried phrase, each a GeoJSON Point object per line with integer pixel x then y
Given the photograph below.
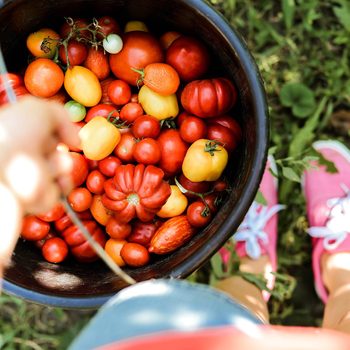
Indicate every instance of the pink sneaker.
{"type": "Point", "coordinates": [328, 207]}
{"type": "Point", "coordinates": [257, 234]}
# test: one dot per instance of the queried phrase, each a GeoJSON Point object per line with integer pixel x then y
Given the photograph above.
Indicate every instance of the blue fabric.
{"type": "Point", "coordinates": [162, 305]}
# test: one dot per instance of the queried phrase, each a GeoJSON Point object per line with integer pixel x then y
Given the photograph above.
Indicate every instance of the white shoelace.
{"type": "Point", "coordinates": [251, 231]}
{"type": "Point", "coordinates": [338, 224]}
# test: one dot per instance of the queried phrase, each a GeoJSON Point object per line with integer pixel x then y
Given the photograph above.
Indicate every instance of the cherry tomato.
{"type": "Point", "coordinates": [197, 187]}
{"type": "Point", "coordinates": [52, 215]}
{"type": "Point", "coordinates": [113, 248]}
{"type": "Point", "coordinates": [75, 110]}
{"type": "Point", "coordinates": [55, 250]}
{"type": "Point", "coordinates": [12, 79]}
{"type": "Point", "coordinates": [76, 128]}
{"type": "Point", "coordinates": [181, 117]}
{"type": "Point", "coordinates": [100, 213]}
{"type": "Point", "coordinates": [113, 43]}
{"type": "Point", "coordinates": [119, 92]}
{"type": "Point", "coordinates": [43, 43]}
{"type": "Point", "coordinates": [147, 151]}
{"type": "Point", "coordinates": [79, 24]}
{"type": "Point", "coordinates": [198, 215]}
{"type": "Point", "coordinates": [104, 86]}
{"type": "Point", "coordinates": [107, 25]}
{"type": "Point", "coordinates": [80, 169]}
{"type": "Point", "coordinates": [134, 254]}
{"type": "Point", "coordinates": [173, 151]}
{"type": "Point", "coordinates": [212, 201]}
{"type": "Point", "coordinates": [189, 57]}
{"type": "Point", "coordinates": [43, 78]}
{"type": "Point", "coordinates": [193, 129]}
{"type": "Point", "coordinates": [65, 221]}
{"type": "Point", "coordinates": [97, 62]}
{"type": "Point", "coordinates": [125, 148]}
{"type": "Point", "coordinates": [34, 229]}
{"type": "Point", "coordinates": [101, 110]}
{"type": "Point", "coordinates": [116, 229]}
{"type": "Point", "coordinates": [139, 50]}
{"type": "Point", "coordinates": [168, 38]}
{"type": "Point", "coordinates": [142, 232]}
{"type": "Point", "coordinates": [146, 126]}
{"type": "Point", "coordinates": [131, 111]}
{"type": "Point", "coordinates": [220, 185]}
{"type": "Point", "coordinates": [230, 123]}
{"type": "Point", "coordinates": [109, 165]}
{"type": "Point", "coordinates": [39, 244]}
{"type": "Point", "coordinates": [222, 135]}
{"type": "Point", "coordinates": [80, 199]}
{"type": "Point", "coordinates": [19, 91]}
{"type": "Point", "coordinates": [95, 181]}
{"type": "Point", "coordinates": [76, 51]}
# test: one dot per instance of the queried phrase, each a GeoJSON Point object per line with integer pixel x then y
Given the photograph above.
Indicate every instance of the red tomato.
{"type": "Point", "coordinates": [139, 50]}
{"type": "Point", "coordinates": [197, 187]}
{"type": "Point", "coordinates": [181, 117]}
{"type": "Point", "coordinates": [95, 181]}
{"type": "Point", "coordinates": [220, 185]}
{"type": "Point", "coordinates": [92, 164]}
{"type": "Point", "coordinates": [146, 126]}
{"type": "Point", "coordinates": [198, 215]}
{"type": "Point", "coordinates": [43, 77]}
{"type": "Point", "coordinates": [77, 53]}
{"type": "Point", "coordinates": [39, 244]}
{"type": "Point", "coordinates": [55, 250]}
{"type": "Point", "coordinates": [19, 91]}
{"type": "Point", "coordinates": [108, 25]}
{"type": "Point", "coordinates": [14, 80]}
{"type": "Point", "coordinates": [125, 148]}
{"type": "Point", "coordinates": [131, 111]}
{"type": "Point", "coordinates": [230, 123]}
{"type": "Point", "coordinates": [119, 92]}
{"type": "Point", "coordinates": [104, 86]}
{"type": "Point", "coordinates": [80, 168]}
{"type": "Point", "coordinates": [97, 62]}
{"type": "Point", "coordinates": [52, 215]}
{"type": "Point", "coordinates": [142, 232]}
{"type": "Point", "coordinates": [193, 129]}
{"type": "Point", "coordinates": [147, 151]}
{"type": "Point", "coordinates": [101, 110]}
{"type": "Point", "coordinates": [134, 254]}
{"type": "Point", "coordinates": [34, 229]}
{"type": "Point", "coordinates": [134, 98]}
{"type": "Point", "coordinates": [212, 201]}
{"type": "Point", "coordinates": [109, 165]}
{"type": "Point", "coordinates": [80, 199]}
{"type": "Point", "coordinates": [168, 38]}
{"type": "Point", "coordinates": [209, 97]}
{"type": "Point", "coordinates": [189, 57]}
{"type": "Point", "coordinates": [116, 229]}
{"type": "Point", "coordinates": [79, 23]}
{"type": "Point", "coordinates": [222, 135]}
{"type": "Point", "coordinates": [173, 151]}
{"type": "Point", "coordinates": [65, 221]}
{"type": "Point", "coordinates": [76, 128]}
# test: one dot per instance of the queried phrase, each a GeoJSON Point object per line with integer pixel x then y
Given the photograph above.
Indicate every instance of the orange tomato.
{"type": "Point", "coordinates": [43, 78]}
{"type": "Point", "coordinates": [113, 248]}
{"type": "Point", "coordinates": [82, 85]}
{"type": "Point", "coordinates": [100, 213]}
{"type": "Point", "coordinates": [35, 43]}
{"type": "Point", "coordinates": [167, 39]}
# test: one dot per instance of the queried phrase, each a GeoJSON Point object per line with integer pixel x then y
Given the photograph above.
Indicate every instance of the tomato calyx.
{"type": "Point", "coordinates": [133, 199]}
{"type": "Point", "coordinates": [116, 121]}
{"type": "Point", "coordinates": [211, 147]}
{"type": "Point", "coordinates": [169, 123]}
{"type": "Point", "coordinates": [206, 211]}
{"type": "Point", "coordinates": [142, 76]}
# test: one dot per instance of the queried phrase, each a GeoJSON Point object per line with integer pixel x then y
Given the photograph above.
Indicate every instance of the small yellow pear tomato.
{"type": "Point", "coordinates": [175, 205]}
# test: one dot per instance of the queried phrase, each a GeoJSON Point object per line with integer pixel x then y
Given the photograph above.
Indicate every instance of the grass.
{"type": "Point", "coordinates": [302, 50]}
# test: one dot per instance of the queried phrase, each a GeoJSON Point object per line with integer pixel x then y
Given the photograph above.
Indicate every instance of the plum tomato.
{"type": "Point", "coordinates": [55, 250]}
{"type": "Point", "coordinates": [147, 151]}
{"type": "Point", "coordinates": [117, 229]}
{"type": "Point", "coordinates": [101, 110]}
{"type": "Point", "coordinates": [146, 126]}
{"type": "Point", "coordinates": [34, 229]}
{"type": "Point", "coordinates": [52, 215]}
{"type": "Point", "coordinates": [198, 214]}
{"type": "Point", "coordinates": [43, 43]}
{"type": "Point", "coordinates": [95, 181]}
{"type": "Point", "coordinates": [125, 148]}
{"type": "Point", "coordinates": [131, 111]}
{"type": "Point", "coordinates": [76, 52]}
{"type": "Point", "coordinates": [80, 169]}
{"type": "Point", "coordinates": [43, 77]}
{"type": "Point", "coordinates": [222, 135]}
{"type": "Point", "coordinates": [193, 129]}
{"type": "Point", "coordinates": [113, 248]}
{"type": "Point", "coordinates": [109, 165]}
{"type": "Point", "coordinates": [134, 254]}
{"type": "Point", "coordinates": [107, 25]}
{"type": "Point", "coordinates": [97, 62]}
{"type": "Point", "coordinates": [80, 199]}
{"type": "Point", "coordinates": [189, 57]}
{"type": "Point", "coordinates": [197, 187]}
{"type": "Point", "coordinates": [139, 50]}
{"type": "Point", "coordinates": [119, 92]}
{"type": "Point", "coordinates": [99, 212]}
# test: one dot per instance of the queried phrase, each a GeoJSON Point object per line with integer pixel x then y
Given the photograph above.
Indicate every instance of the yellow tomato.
{"type": "Point", "coordinates": [113, 248]}
{"type": "Point", "coordinates": [156, 105]}
{"type": "Point", "coordinates": [100, 213]}
{"type": "Point", "coordinates": [133, 26]}
{"type": "Point", "coordinates": [175, 205]}
{"type": "Point", "coordinates": [83, 86]}
{"type": "Point", "coordinates": [39, 48]}
{"type": "Point", "coordinates": [98, 138]}
{"type": "Point", "coordinates": [205, 160]}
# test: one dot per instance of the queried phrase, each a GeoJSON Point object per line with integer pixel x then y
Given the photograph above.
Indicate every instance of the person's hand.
{"type": "Point", "coordinates": [32, 171]}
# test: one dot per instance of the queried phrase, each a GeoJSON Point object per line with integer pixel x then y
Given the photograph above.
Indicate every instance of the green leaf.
{"type": "Point", "coordinates": [299, 97]}
{"type": "Point", "coordinates": [288, 9]}
{"type": "Point", "coordinates": [260, 198]}
{"type": "Point", "coordinates": [342, 11]}
{"type": "Point", "coordinates": [290, 174]}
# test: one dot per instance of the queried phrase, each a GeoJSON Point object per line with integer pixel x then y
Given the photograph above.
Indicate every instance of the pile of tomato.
{"type": "Point", "coordinates": [156, 136]}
